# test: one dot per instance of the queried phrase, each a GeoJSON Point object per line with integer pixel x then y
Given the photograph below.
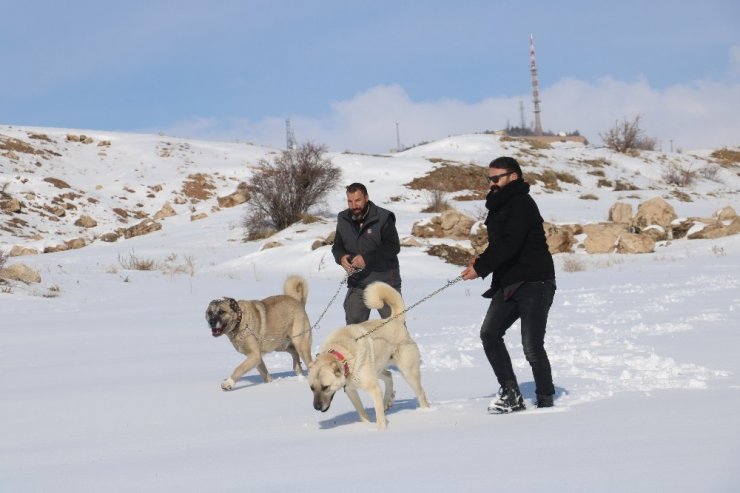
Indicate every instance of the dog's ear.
{"type": "Point", "coordinates": [337, 369]}
{"type": "Point", "coordinates": [233, 304]}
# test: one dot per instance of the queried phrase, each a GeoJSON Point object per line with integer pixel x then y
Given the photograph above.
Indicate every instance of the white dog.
{"type": "Point", "coordinates": [355, 356]}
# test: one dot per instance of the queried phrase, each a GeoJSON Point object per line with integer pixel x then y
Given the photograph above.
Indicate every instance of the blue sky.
{"type": "Point", "coordinates": [345, 72]}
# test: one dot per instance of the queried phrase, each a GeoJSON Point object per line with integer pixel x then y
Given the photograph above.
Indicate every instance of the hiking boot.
{"type": "Point", "coordinates": [509, 400]}
{"type": "Point", "coordinates": [544, 401]}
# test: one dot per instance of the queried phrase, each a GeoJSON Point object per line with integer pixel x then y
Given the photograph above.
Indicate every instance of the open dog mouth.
{"type": "Point", "coordinates": [217, 330]}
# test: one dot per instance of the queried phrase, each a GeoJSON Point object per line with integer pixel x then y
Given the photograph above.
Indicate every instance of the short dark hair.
{"type": "Point", "coordinates": [507, 163]}
{"type": "Point", "coordinates": [355, 187]}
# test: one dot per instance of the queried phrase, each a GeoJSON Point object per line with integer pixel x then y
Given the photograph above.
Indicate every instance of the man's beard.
{"type": "Point", "coordinates": [357, 214]}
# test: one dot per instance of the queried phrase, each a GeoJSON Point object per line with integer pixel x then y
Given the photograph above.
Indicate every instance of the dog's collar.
{"type": "Point", "coordinates": [342, 360]}
{"type": "Point", "coordinates": [235, 307]}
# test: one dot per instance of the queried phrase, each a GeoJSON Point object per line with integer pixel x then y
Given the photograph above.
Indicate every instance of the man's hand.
{"type": "Point", "coordinates": [469, 273]}
{"type": "Point", "coordinates": [345, 263]}
{"type": "Point", "coordinates": [358, 262]}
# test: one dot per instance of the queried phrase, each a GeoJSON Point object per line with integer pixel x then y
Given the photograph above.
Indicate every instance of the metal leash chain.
{"type": "Point", "coordinates": [433, 293]}
{"type": "Point", "coordinates": [315, 326]}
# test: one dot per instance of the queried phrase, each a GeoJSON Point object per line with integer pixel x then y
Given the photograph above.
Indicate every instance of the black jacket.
{"type": "Point", "coordinates": [517, 250]}
{"type": "Point", "coordinates": [377, 242]}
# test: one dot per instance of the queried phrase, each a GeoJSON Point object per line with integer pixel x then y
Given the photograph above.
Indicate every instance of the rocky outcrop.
{"type": "Point", "coordinates": [166, 211]}
{"type": "Point", "coordinates": [86, 222]}
{"type": "Point", "coordinates": [19, 251]}
{"type": "Point", "coordinates": [143, 228]}
{"type": "Point", "coordinates": [450, 224]}
{"type": "Point", "coordinates": [654, 211]}
{"type": "Point", "coordinates": [620, 213]}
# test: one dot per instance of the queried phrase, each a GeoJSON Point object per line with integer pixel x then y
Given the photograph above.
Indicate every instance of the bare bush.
{"type": "Point", "coordinates": [283, 190]}
{"type": "Point", "coordinates": [626, 136]}
{"type": "Point", "coordinates": [681, 176]}
{"type": "Point", "coordinates": [3, 258]}
{"type": "Point", "coordinates": [132, 262]}
{"type": "Point", "coordinates": [173, 266]}
{"type": "Point", "coordinates": [710, 171]}
{"type": "Point", "coordinates": [436, 201]}
{"type": "Point", "coordinates": [572, 264]}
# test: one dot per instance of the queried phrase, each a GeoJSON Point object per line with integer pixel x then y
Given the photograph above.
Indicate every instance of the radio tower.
{"type": "Point", "coordinates": [290, 138]}
{"type": "Point", "coordinates": [535, 89]}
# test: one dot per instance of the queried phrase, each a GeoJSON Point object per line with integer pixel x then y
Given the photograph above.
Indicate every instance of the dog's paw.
{"type": "Point", "coordinates": [227, 384]}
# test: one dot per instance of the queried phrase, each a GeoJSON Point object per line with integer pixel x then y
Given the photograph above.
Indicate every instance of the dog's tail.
{"type": "Point", "coordinates": [296, 287]}
{"type": "Point", "coordinates": [379, 293]}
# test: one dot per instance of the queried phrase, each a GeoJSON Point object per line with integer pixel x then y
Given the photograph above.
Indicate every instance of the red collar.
{"type": "Point", "coordinates": [342, 359]}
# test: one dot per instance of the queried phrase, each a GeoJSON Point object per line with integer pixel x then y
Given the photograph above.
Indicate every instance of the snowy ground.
{"type": "Point", "coordinates": [110, 378]}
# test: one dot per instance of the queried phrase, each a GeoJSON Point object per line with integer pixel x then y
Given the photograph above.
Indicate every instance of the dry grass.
{"type": "Point", "coordinates": [572, 264]}
{"type": "Point", "coordinates": [588, 196]}
{"type": "Point", "coordinates": [452, 178]}
{"type": "Point", "coordinates": [172, 266]}
{"type": "Point", "coordinates": [727, 157]}
{"type": "Point", "coordinates": [133, 262]}
{"type": "Point", "coordinates": [436, 201]}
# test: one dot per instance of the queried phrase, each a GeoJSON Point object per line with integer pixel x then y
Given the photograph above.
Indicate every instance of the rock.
{"type": "Point", "coordinates": [450, 224]}
{"type": "Point", "coordinates": [20, 272]}
{"type": "Point", "coordinates": [19, 251]}
{"type": "Point", "coordinates": [602, 237]}
{"type": "Point", "coordinates": [12, 206]}
{"type": "Point", "coordinates": [166, 211]}
{"type": "Point", "coordinates": [479, 237]}
{"type": "Point", "coordinates": [75, 244]}
{"type": "Point", "coordinates": [198, 217]}
{"type": "Point", "coordinates": [635, 243]}
{"type": "Point", "coordinates": [410, 241]}
{"type": "Point", "coordinates": [55, 248]}
{"type": "Point", "coordinates": [455, 255]}
{"type": "Point", "coordinates": [144, 227]}
{"type": "Point", "coordinates": [716, 229]}
{"type": "Point", "coordinates": [109, 237]}
{"type": "Point", "coordinates": [725, 214]}
{"type": "Point", "coordinates": [654, 211]}
{"type": "Point", "coordinates": [559, 239]}
{"type": "Point", "coordinates": [271, 244]}
{"type": "Point", "coordinates": [86, 222]}
{"type": "Point", "coordinates": [620, 212]}
{"type": "Point", "coordinates": [241, 196]}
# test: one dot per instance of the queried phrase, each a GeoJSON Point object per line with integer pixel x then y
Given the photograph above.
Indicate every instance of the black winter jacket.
{"type": "Point", "coordinates": [377, 242]}
{"type": "Point", "coordinates": [517, 250]}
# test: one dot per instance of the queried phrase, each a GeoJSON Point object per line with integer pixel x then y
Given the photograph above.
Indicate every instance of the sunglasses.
{"type": "Point", "coordinates": [496, 178]}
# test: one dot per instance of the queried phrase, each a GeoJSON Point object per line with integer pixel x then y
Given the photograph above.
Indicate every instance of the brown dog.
{"type": "Point", "coordinates": [254, 327]}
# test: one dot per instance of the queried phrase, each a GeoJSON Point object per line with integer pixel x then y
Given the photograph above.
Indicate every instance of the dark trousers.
{"type": "Point", "coordinates": [355, 310]}
{"type": "Point", "coordinates": [530, 303]}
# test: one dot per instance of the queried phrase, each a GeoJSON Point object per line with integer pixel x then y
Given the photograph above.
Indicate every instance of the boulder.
{"type": "Point", "coordinates": [144, 227]}
{"type": "Point", "coordinates": [198, 217]}
{"type": "Point", "coordinates": [271, 244]}
{"type": "Point", "coordinates": [12, 206]}
{"type": "Point", "coordinates": [19, 251]}
{"type": "Point", "coordinates": [655, 211]}
{"type": "Point", "coordinates": [166, 211]}
{"type": "Point", "coordinates": [86, 222]}
{"type": "Point", "coordinates": [620, 212]}
{"type": "Point", "coordinates": [559, 239]}
{"type": "Point", "coordinates": [20, 272]}
{"type": "Point", "coordinates": [602, 237]}
{"type": "Point", "coordinates": [450, 224]}
{"type": "Point", "coordinates": [75, 243]}
{"type": "Point", "coordinates": [635, 243]}
{"type": "Point", "coordinates": [239, 197]}
{"type": "Point", "coordinates": [109, 237]}
{"type": "Point", "coordinates": [455, 255]}
{"type": "Point", "coordinates": [725, 214]}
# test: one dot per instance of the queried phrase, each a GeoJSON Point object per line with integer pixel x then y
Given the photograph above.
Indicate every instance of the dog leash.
{"type": "Point", "coordinates": [344, 281]}
{"type": "Point", "coordinates": [433, 293]}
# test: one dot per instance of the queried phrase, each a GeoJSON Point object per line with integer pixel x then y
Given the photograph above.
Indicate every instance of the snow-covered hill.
{"type": "Point", "coordinates": [110, 378]}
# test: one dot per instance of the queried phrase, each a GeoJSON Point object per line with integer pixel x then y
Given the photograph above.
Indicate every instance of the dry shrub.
{"type": "Point", "coordinates": [548, 178]}
{"type": "Point", "coordinates": [172, 266]}
{"type": "Point", "coordinates": [604, 183]}
{"type": "Point", "coordinates": [132, 262]}
{"type": "Point", "coordinates": [681, 176]}
{"type": "Point", "coordinates": [709, 171]}
{"type": "Point", "coordinates": [621, 186]}
{"type": "Point", "coordinates": [17, 145]}
{"type": "Point", "coordinates": [53, 292]}
{"type": "Point", "coordinates": [626, 136]}
{"type": "Point", "coordinates": [588, 196]}
{"type": "Point", "coordinates": [283, 190]}
{"type": "Point", "coordinates": [596, 172]}
{"type": "Point", "coordinates": [572, 264]}
{"type": "Point", "coordinates": [452, 178]}
{"type": "Point", "coordinates": [450, 254]}
{"type": "Point", "coordinates": [3, 258]}
{"type": "Point", "coordinates": [566, 177]}
{"type": "Point", "coordinates": [597, 163]}
{"type": "Point", "coordinates": [436, 201]}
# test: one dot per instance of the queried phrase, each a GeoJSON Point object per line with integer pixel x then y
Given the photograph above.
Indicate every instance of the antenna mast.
{"type": "Point", "coordinates": [290, 138]}
{"type": "Point", "coordinates": [535, 88]}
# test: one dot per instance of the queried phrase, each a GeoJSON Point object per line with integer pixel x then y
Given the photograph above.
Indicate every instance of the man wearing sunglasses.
{"type": "Point", "coordinates": [522, 285]}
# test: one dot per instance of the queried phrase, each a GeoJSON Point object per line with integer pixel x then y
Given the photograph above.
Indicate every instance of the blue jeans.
{"type": "Point", "coordinates": [531, 303]}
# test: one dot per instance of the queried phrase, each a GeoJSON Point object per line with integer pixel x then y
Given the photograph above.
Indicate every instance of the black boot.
{"type": "Point", "coordinates": [544, 400]}
{"type": "Point", "coordinates": [509, 400]}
